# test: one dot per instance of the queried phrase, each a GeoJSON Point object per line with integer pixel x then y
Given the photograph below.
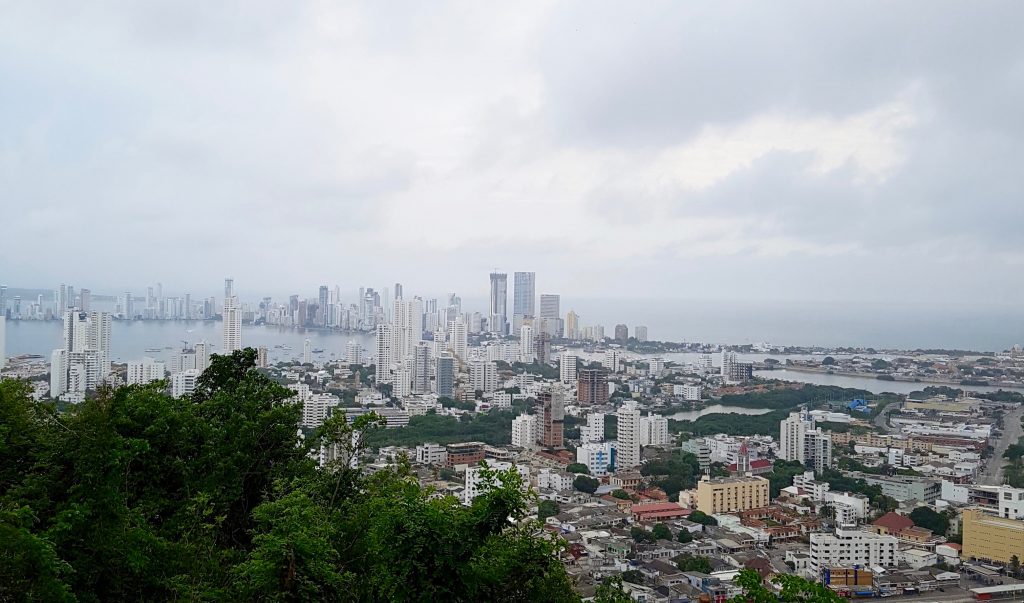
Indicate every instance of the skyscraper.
{"type": "Point", "coordinates": [498, 320]}
{"type": "Point", "coordinates": [398, 290]}
{"type": "Point", "coordinates": [445, 378]}
{"type": "Point", "coordinates": [549, 305]}
{"type": "Point", "coordinates": [232, 319]}
{"type": "Point", "coordinates": [621, 333]}
{"type": "Point", "coordinates": [307, 352]}
{"type": "Point", "coordinates": [3, 340]}
{"type": "Point", "coordinates": [459, 339]}
{"type": "Point", "coordinates": [421, 368]}
{"type": "Point", "coordinates": [85, 297]}
{"type": "Point", "coordinates": [84, 360]}
{"type": "Point", "coordinates": [592, 386]}
{"type": "Point", "coordinates": [323, 300]}
{"type": "Point", "coordinates": [383, 369]}
{"type": "Point", "coordinates": [526, 354]}
{"type": "Point", "coordinates": [572, 326]}
{"type": "Point", "coordinates": [801, 441]}
{"type": "Point", "coordinates": [567, 368]}
{"type": "Point", "coordinates": [628, 419]}
{"type": "Point", "coordinates": [640, 332]}
{"type": "Point", "coordinates": [524, 296]}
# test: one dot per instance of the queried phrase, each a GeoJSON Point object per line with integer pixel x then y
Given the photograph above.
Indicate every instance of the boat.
{"type": "Point", "coordinates": [317, 351]}
{"type": "Point", "coordinates": [154, 349]}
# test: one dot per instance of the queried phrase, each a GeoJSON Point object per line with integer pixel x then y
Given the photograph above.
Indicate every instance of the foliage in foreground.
{"type": "Point", "coordinates": [136, 495]}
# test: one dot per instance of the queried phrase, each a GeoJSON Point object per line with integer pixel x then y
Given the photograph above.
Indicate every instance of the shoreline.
{"type": "Point", "coordinates": [873, 377]}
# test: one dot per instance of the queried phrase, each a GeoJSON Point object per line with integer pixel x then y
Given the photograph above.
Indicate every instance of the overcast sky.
{"type": "Point", "coordinates": [775, 150]}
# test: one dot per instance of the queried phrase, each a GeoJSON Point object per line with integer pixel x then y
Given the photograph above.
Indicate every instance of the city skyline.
{"type": "Point", "coordinates": [879, 173]}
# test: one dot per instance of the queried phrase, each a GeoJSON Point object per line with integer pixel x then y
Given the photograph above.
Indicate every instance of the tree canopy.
{"type": "Point", "coordinates": [137, 495]}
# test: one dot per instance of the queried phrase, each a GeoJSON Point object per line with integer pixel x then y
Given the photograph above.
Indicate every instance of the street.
{"type": "Point", "coordinates": [1012, 431]}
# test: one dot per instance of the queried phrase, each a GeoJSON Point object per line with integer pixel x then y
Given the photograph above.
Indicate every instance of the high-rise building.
{"type": "Point", "coordinates": [526, 351]}
{"type": "Point", "coordinates": [84, 361]}
{"type": "Point", "coordinates": [542, 348]}
{"type": "Point", "coordinates": [3, 303]}
{"type": "Point", "coordinates": [184, 383]}
{"type": "Point", "coordinates": [640, 333]}
{"type": "Point", "coordinates": [445, 378]}
{"type": "Point", "coordinates": [593, 429]}
{"type": "Point", "coordinates": [572, 326]}
{"type": "Point", "coordinates": [654, 431]}
{"type": "Point", "coordinates": [307, 352]}
{"type": "Point", "coordinates": [553, 402]}
{"type": "Point", "coordinates": [621, 333]}
{"type": "Point", "coordinates": [483, 376]}
{"type": "Point", "coordinates": [144, 371]}
{"type": "Point", "coordinates": [458, 339]}
{"type": "Point", "coordinates": [524, 297]}
{"type": "Point", "coordinates": [353, 353]}
{"type": "Point", "coordinates": [549, 305]}
{"type": "Point", "coordinates": [383, 369]}
{"type": "Point", "coordinates": [421, 368]}
{"type": "Point", "coordinates": [592, 386]}
{"type": "Point", "coordinates": [799, 440]}
{"type": "Point", "coordinates": [567, 368]}
{"type": "Point", "coordinates": [398, 291]}
{"type": "Point", "coordinates": [628, 419]}
{"type": "Point", "coordinates": [323, 299]}
{"type": "Point", "coordinates": [3, 340]}
{"type": "Point", "coordinates": [498, 320]}
{"type": "Point", "coordinates": [262, 357]}
{"type": "Point", "coordinates": [525, 431]}
{"type": "Point", "coordinates": [599, 457]}
{"type": "Point", "coordinates": [232, 319]}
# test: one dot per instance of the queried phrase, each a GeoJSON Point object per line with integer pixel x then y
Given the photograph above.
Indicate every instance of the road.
{"type": "Point", "coordinates": [882, 420]}
{"type": "Point", "coordinates": [1012, 432]}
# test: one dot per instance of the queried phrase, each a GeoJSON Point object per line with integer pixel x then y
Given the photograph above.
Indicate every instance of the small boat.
{"type": "Point", "coordinates": [317, 351]}
{"type": "Point", "coordinates": [154, 349]}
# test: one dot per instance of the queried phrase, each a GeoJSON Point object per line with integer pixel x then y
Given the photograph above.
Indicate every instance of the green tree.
{"type": "Point", "coordinates": [577, 468]}
{"type": "Point", "coordinates": [661, 532]}
{"type": "Point", "coordinates": [702, 518]}
{"type": "Point", "coordinates": [828, 361]}
{"type": "Point", "coordinates": [926, 517]}
{"type": "Point", "coordinates": [585, 483]}
{"type": "Point", "coordinates": [792, 589]}
{"type": "Point", "coordinates": [639, 534]}
{"type": "Point", "coordinates": [1014, 566]}
{"type": "Point", "coordinates": [621, 494]}
{"type": "Point", "coordinates": [684, 536]}
{"type": "Point", "coordinates": [610, 591]}
{"type": "Point", "coordinates": [633, 576]}
{"type": "Point", "coordinates": [547, 508]}
{"type": "Point", "coordinates": [692, 563]}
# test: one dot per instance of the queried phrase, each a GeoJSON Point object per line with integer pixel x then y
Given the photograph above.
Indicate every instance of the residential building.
{"type": "Point", "coordinates": [640, 333]}
{"type": "Point", "coordinates": [699, 448]}
{"type": "Point", "coordinates": [848, 547]}
{"type": "Point", "coordinates": [592, 387]}
{"type": "Point", "coordinates": [421, 368]}
{"type": "Point", "coordinates": [548, 479]}
{"type": "Point", "coordinates": [383, 367]}
{"type": "Point", "coordinates": [232, 323]}
{"type": "Point", "coordinates": [687, 392]}
{"type": "Point", "coordinates": [483, 376]}
{"type": "Point", "coordinates": [599, 457]}
{"type": "Point", "coordinates": [567, 367]}
{"type": "Point", "coordinates": [144, 371]}
{"type": "Point", "coordinates": [526, 431]}
{"type": "Point", "coordinates": [593, 429]}
{"type": "Point", "coordinates": [526, 351]}
{"type": "Point", "coordinates": [731, 494]}
{"type": "Point", "coordinates": [3, 338]}
{"type": "Point", "coordinates": [800, 441]}
{"type": "Point", "coordinates": [262, 357]}
{"type": "Point", "coordinates": [549, 305]}
{"type": "Point", "coordinates": [654, 431]}
{"type": "Point", "coordinates": [431, 454]}
{"type": "Point", "coordinates": [184, 383]}
{"type": "Point", "coordinates": [464, 453]}
{"type": "Point", "coordinates": [628, 419]}
{"type": "Point", "coordinates": [353, 353]}
{"type": "Point", "coordinates": [903, 487]}
{"type": "Point", "coordinates": [476, 484]}
{"type": "Point", "coordinates": [572, 326]}
{"type": "Point", "coordinates": [307, 352]}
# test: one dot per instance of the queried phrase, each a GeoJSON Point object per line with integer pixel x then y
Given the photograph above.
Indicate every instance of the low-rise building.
{"type": "Point", "coordinates": [850, 547]}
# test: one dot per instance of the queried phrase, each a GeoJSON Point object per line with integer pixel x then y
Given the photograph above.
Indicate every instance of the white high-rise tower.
{"type": "Point", "coordinates": [629, 435]}
{"type": "Point", "coordinates": [232, 319]}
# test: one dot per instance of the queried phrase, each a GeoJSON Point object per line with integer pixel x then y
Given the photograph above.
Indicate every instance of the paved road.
{"type": "Point", "coordinates": [1012, 432]}
{"type": "Point", "coordinates": [882, 420]}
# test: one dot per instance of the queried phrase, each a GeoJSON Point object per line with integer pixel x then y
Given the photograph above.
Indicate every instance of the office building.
{"type": "Point", "coordinates": [990, 538]}
{"type": "Point", "coordinates": [592, 386]}
{"type": "Point", "coordinates": [524, 297]}
{"type": "Point", "coordinates": [731, 494]}
{"type": "Point", "coordinates": [700, 449]}
{"type": "Point", "coordinates": [567, 366]}
{"type": "Point", "coordinates": [654, 431]}
{"type": "Point", "coordinates": [621, 333]}
{"type": "Point", "coordinates": [628, 420]}
{"type": "Point", "coordinates": [144, 371]}
{"type": "Point", "coordinates": [526, 431]}
{"type": "Point", "coordinates": [848, 547]}
{"type": "Point", "coordinates": [599, 457]}
{"type": "Point", "coordinates": [431, 454]}
{"type": "Point", "coordinates": [553, 428]}
{"type": "Point", "coordinates": [542, 348]}
{"type": "Point", "coordinates": [445, 377]}
{"type": "Point", "coordinates": [640, 333]}
{"type": "Point", "coordinates": [498, 319]}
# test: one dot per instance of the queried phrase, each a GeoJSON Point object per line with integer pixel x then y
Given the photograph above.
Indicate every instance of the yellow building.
{"type": "Point", "coordinates": [731, 494]}
{"type": "Point", "coordinates": [991, 538]}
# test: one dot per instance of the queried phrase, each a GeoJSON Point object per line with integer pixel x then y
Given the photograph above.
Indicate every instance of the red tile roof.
{"type": "Point", "coordinates": [894, 522]}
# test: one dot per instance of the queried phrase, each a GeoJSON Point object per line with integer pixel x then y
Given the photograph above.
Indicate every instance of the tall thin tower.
{"type": "Point", "coordinates": [499, 303]}
{"type": "Point", "coordinates": [232, 319]}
